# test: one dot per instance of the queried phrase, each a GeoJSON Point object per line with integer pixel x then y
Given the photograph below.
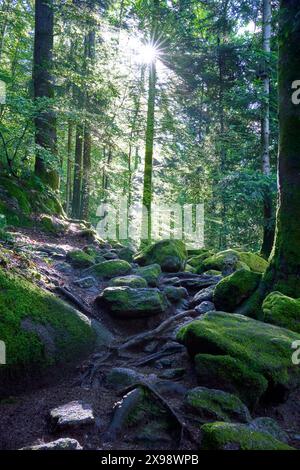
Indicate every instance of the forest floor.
{"type": "Point", "coordinates": [23, 416]}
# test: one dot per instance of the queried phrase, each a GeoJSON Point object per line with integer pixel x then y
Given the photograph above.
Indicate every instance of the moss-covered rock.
{"type": "Point", "coordinates": [269, 426]}
{"type": "Point", "coordinates": [110, 268]}
{"type": "Point", "coordinates": [169, 254]}
{"type": "Point", "coordinates": [125, 302]}
{"type": "Point", "coordinates": [150, 273]}
{"type": "Point", "coordinates": [232, 436]}
{"type": "Point", "coordinates": [80, 259]}
{"type": "Point", "coordinates": [262, 348]}
{"type": "Point", "coordinates": [37, 328]}
{"type": "Point", "coordinates": [196, 261]}
{"type": "Point", "coordinates": [231, 375]}
{"type": "Point", "coordinates": [211, 404]}
{"type": "Point", "coordinates": [51, 224]}
{"type": "Point", "coordinates": [126, 253]}
{"type": "Point", "coordinates": [229, 261]}
{"type": "Point", "coordinates": [234, 289]}
{"type": "Point", "coordinates": [175, 294]}
{"type": "Point", "coordinates": [130, 281]}
{"type": "Point", "coordinates": [281, 310]}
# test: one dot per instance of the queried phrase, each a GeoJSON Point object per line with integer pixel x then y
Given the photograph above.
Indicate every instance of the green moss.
{"type": "Point", "coordinates": [230, 260]}
{"type": "Point", "coordinates": [169, 254]}
{"type": "Point", "coordinates": [130, 281]}
{"type": "Point", "coordinates": [111, 268]}
{"type": "Point", "coordinates": [281, 310]}
{"type": "Point", "coordinates": [222, 436]}
{"type": "Point", "coordinates": [175, 294]}
{"type": "Point", "coordinates": [195, 261]}
{"type": "Point", "coordinates": [125, 302]}
{"type": "Point", "coordinates": [69, 331]}
{"type": "Point", "coordinates": [231, 291]}
{"type": "Point", "coordinates": [231, 374]}
{"type": "Point", "coordinates": [262, 348]}
{"type": "Point", "coordinates": [16, 191]}
{"type": "Point", "coordinates": [213, 272]}
{"type": "Point", "coordinates": [80, 259]}
{"type": "Point", "coordinates": [150, 273]}
{"type": "Point", "coordinates": [212, 404]}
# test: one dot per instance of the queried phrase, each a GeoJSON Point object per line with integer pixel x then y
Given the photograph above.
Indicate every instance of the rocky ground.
{"type": "Point", "coordinates": [140, 388]}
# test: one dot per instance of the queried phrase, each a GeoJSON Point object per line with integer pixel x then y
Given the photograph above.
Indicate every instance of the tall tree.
{"type": "Point", "coordinates": [269, 229]}
{"type": "Point", "coordinates": [45, 121]}
{"type": "Point", "coordinates": [150, 129]}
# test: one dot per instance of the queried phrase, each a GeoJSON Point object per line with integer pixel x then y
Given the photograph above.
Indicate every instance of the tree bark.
{"type": "Point", "coordinates": [45, 121]}
{"type": "Point", "coordinates": [77, 185]}
{"type": "Point", "coordinates": [269, 224]}
{"type": "Point", "coordinates": [69, 168]}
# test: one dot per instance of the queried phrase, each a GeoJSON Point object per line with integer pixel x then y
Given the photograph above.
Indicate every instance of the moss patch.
{"type": "Point", "coordinates": [169, 254]}
{"type": "Point", "coordinates": [80, 259]}
{"type": "Point", "coordinates": [281, 310]}
{"type": "Point", "coordinates": [234, 289]}
{"type": "Point", "coordinates": [229, 261]}
{"type": "Point", "coordinates": [111, 268]}
{"type": "Point", "coordinates": [150, 273]}
{"type": "Point", "coordinates": [226, 436]}
{"type": "Point", "coordinates": [130, 281]}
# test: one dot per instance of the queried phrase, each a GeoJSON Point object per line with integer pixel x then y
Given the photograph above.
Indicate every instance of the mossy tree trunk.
{"type": "Point", "coordinates": [284, 271]}
{"type": "Point", "coordinates": [77, 185]}
{"type": "Point", "coordinates": [69, 167]}
{"type": "Point", "coordinates": [269, 226]}
{"type": "Point", "coordinates": [45, 121]}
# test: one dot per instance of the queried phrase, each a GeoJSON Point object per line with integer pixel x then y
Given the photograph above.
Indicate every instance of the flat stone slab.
{"type": "Point", "coordinates": [60, 444]}
{"type": "Point", "coordinates": [73, 414]}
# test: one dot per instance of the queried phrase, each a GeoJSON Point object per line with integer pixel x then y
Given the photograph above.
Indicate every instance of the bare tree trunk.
{"type": "Point", "coordinates": [69, 168]}
{"type": "Point", "coordinates": [269, 229]}
{"type": "Point", "coordinates": [77, 185]}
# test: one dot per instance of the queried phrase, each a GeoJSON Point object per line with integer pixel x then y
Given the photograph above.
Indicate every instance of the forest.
{"type": "Point", "coordinates": [149, 225]}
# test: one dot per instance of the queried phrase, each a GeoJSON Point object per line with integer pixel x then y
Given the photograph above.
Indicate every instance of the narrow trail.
{"type": "Point", "coordinates": [160, 363]}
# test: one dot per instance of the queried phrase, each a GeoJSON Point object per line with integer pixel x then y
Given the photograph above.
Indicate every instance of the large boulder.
{"type": "Point", "coordinates": [39, 329]}
{"type": "Point", "coordinates": [169, 254]}
{"type": "Point", "coordinates": [281, 310]}
{"type": "Point", "coordinates": [110, 268]}
{"type": "Point", "coordinates": [231, 375]}
{"type": "Point", "coordinates": [229, 261]}
{"type": "Point", "coordinates": [130, 281]}
{"type": "Point", "coordinates": [213, 405]}
{"type": "Point", "coordinates": [233, 436]}
{"type": "Point", "coordinates": [234, 289]}
{"type": "Point", "coordinates": [80, 259]}
{"type": "Point", "coordinates": [262, 348]}
{"type": "Point", "coordinates": [125, 302]}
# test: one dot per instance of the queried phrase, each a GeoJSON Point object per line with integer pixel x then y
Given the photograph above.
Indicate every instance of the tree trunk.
{"type": "Point", "coordinates": [76, 203]}
{"type": "Point", "coordinates": [69, 168]}
{"type": "Point", "coordinates": [269, 228]}
{"type": "Point", "coordinates": [86, 172]}
{"type": "Point", "coordinates": [45, 122]}
{"type": "Point", "coordinates": [284, 272]}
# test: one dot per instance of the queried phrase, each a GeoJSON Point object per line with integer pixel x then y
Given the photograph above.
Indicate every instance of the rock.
{"type": "Point", "coordinates": [121, 377]}
{"type": "Point", "coordinates": [169, 388]}
{"type": "Point", "coordinates": [172, 281]}
{"type": "Point", "coordinates": [234, 289]}
{"type": "Point", "coordinates": [171, 374]}
{"type": "Point", "coordinates": [71, 415]}
{"type": "Point", "coordinates": [130, 281]}
{"type": "Point", "coordinates": [110, 268]}
{"type": "Point", "coordinates": [80, 259]}
{"type": "Point", "coordinates": [52, 224]}
{"type": "Point", "coordinates": [262, 348]}
{"type": "Point", "coordinates": [282, 310]}
{"type": "Point", "coordinates": [169, 254]}
{"type": "Point", "coordinates": [212, 272]}
{"type": "Point", "coordinates": [229, 261]}
{"type": "Point", "coordinates": [64, 443]}
{"type": "Point", "coordinates": [196, 260]}
{"type": "Point", "coordinates": [269, 426]}
{"type": "Point", "coordinates": [232, 436]}
{"type": "Point", "coordinates": [202, 296]}
{"type": "Point", "coordinates": [197, 281]}
{"type": "Point", "coordinates": [232, 375]}
{"type": "Point", "coordinates": [38, 328]}
{"type": "Point", "coordinates": [213, 405]}
{"type": "Point", "coordinates": [154, 434]}
{"type": "Point", "coordinates": [63, 267]}
{"type": "Point", "coordinates": [205, 307]}
{"type": "Point", "coordinates": [104, 337]}
{"type": "Point", "coordinates": [125, 302]}
{"type": "Point", "coordinates": [150, 273]}
{"type": "Point", "coordinates": [110, 255]}
{"type": "Point", "coordinates": [175, 294]}
{"type": "Point", "coordinates": [85, 282]}
{"type": "Point", "coordinates": [126, 254]}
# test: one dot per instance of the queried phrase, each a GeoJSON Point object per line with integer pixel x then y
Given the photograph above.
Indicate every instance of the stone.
{"type": "Point", "coordinates": [210, 405]}
{"type": "Point", "coordinates": [122, 377]}
{"type": "Point", "coordinates": [263, 348]}
{"type": "Point", "coordinates": [150, 273]}
{"type": "Point", "coordinates": [229, 261]}
{"type": "Point", "coordinates": [64, 443]}
{"type": "Point", "coordinates": [130, 281]}
{"type": "Point", "coordinates": [71, 415]}
{"type": "Point", "coordinates": [205, 307]}
{"type": "Point", "coordinates": [171, 374]}
{"type": "Point", "coordinates": [269, 426]}
{"type": "Point", "coordinates": [282, 310]}
{"type": "Point", "coordinates": [169, 254]}
{"type": "Point", "coordinates": [85, 282]}
{"type": "Point", "coordinates": [175, 294]}
{"type": "Point", "coordinates": [79, 259]}
{"type": "Point", "coordinates": [110, 268]}
{"type": "Point", "coordinates": [202, 296]}
{"type": "Point", "coordinates": [200, 282]}
{"type": "Point", "coordinates": [233, 436]}
{"type": "Point", "coordinates": [231, 291]}
{"type": "Point", "coordinates": [126, 254]}
{"type": "Point", "coordinates": [125, 302]}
